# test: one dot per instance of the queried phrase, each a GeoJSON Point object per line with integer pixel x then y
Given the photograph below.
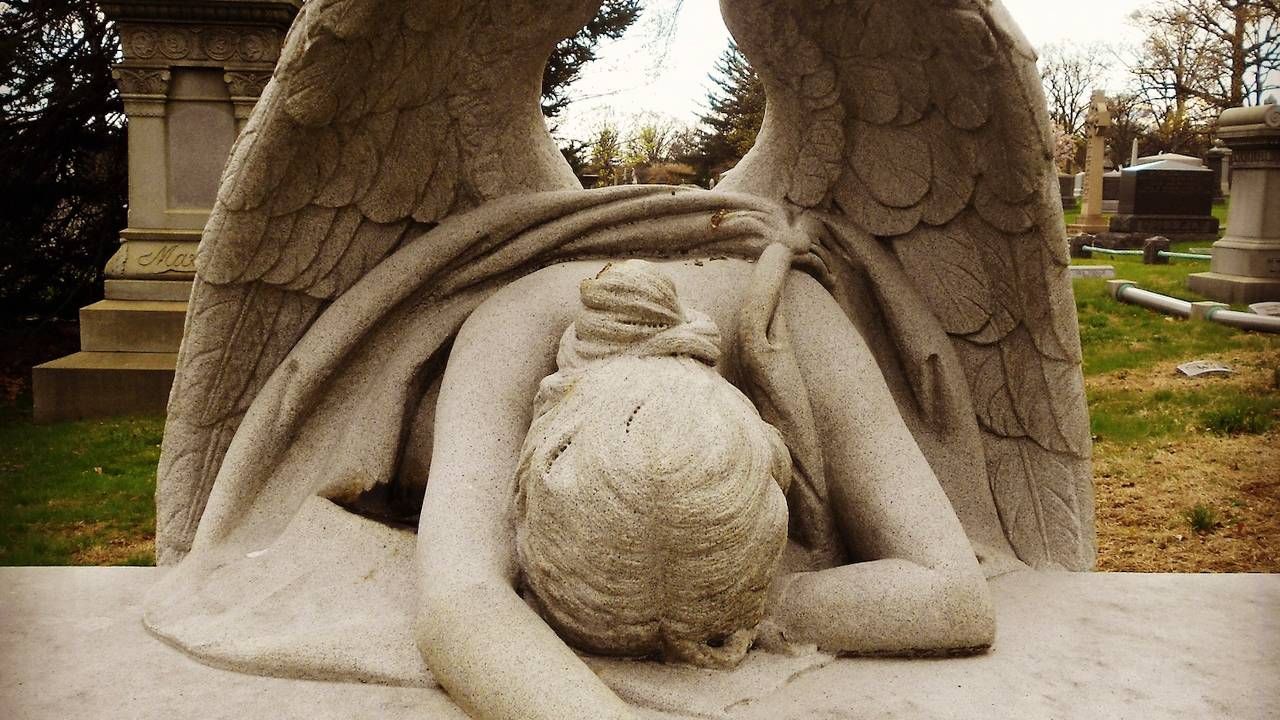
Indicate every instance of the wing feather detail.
{"type": "Point", "coordinates": [946, 160]}
{"type": "Point", "coordinates": [356, 143]}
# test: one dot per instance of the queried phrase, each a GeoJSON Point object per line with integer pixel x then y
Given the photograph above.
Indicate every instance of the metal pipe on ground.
{"type": "Point", "coordinates": [1244, 321]}
{"type": "Point", "coordinates": [1127, 291]}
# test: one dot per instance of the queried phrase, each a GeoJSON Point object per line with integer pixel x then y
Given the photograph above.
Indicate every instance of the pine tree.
{"type": "Point", "coordinates": [735, 113]}
{"type": "Point", "coordinates": [63, 172]}
{"type": "Point", "coordinates": [573, 54]}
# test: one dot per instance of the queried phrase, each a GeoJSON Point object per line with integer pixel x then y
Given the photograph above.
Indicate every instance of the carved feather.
{"type": "Point", "coordinates": [947, 158]}
{"type": "Point", "coordinates": [355, 143]}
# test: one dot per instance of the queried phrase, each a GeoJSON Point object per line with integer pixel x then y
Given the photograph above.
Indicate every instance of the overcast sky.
{"type": "Point", "coordinates": [668, 75]}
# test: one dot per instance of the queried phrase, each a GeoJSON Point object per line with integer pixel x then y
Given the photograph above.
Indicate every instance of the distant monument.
{"type": "Point", "coordinates": [191, 73]}
{"type": "Point", "coordinates": [1091, 219]}
{"type": "Point", "coordinates": [1246, 263]}
{"type": "Point", "coordinates": [1169, 197]}
{"type": "Point", "coordinates": [1218, 158]}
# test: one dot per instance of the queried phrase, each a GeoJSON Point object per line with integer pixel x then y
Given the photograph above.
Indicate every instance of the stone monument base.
{"type": "Point", "coordinates": [1068, 646]}
{"type": "Point", "coordinates": [1088, 225]}
{"type": "Point", "coordinates": [1244, 271]}
{"type": "Point", "coordinates": [1174, 227]}
{"type": "Point", "coordinates": [1234, 289]}
{"type": "Point", "coordinates": [129, 344]}
{"type": "Point", "coordinates": [102, 384]}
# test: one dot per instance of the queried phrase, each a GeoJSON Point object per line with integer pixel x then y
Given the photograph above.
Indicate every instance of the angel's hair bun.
{"type": "Point", "coordinates": [650, 511]}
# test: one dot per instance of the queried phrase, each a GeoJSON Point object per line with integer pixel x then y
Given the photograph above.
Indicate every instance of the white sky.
{"type": "Point", "coordinates": [669, 76]}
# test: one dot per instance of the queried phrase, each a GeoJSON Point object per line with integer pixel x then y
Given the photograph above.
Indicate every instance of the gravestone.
{"type": "Point", "coordinates": [1165, 197]}
{"type": "Point", "coordinates": [1111, 192]}
{"type": "Point", "coordinates": [1218, 158]}
{"type": "Point", "coordinates": [1067, 190]}
{"type": "Point", "coordinates": [1093, 190]}
{"type": "Point", "coordinates": [190, 75]}
{"type": "Point", "coordinates": [1246, 263]}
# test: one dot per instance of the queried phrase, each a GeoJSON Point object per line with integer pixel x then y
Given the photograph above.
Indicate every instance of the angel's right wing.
{"type": "Point", "coordinates": [383, 117]}
{"type": "Point", "coordinates": [922, 122]}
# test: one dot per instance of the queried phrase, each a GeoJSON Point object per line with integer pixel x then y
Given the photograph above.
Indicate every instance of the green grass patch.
{"type": "Point", "coordinates": [1126, 416]}
{"type": "Point", "coordinates": [1119, 336]}
{"type": "Point", "coordinates": [1201, 518]}
{"type": "Point", "coordinates": [68, 488]}
{"type": "Point", "coordinates": [1241, 416]}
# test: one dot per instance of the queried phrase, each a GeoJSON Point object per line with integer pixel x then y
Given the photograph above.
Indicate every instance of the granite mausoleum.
{"type": "Point", "coordinates": [1166, 197]}
{"type": "Point", "coordinates": [191, 73]}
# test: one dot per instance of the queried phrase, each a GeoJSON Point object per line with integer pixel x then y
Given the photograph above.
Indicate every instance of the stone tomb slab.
{"type": "Point", "coordinates": [1090, 645]}
{"type": "Point", "coordinates": [1168, 198]}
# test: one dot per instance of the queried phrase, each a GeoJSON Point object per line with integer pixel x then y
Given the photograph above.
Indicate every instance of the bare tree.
{"type": "Point", "coordinates": [1070, 73]}
{"type": "Point", "coordinates": [1222, 53]}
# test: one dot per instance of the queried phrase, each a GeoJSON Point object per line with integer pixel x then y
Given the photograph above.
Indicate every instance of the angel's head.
{"type": "Point", "coordinates": [651, 515]}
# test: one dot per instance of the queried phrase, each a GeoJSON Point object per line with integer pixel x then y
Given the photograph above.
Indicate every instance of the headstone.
{"type": "Point", "coordinates": [1218, 158]}
{"type": "Point", "coordinates": [1246, 263]}
{"type": "Point", "coordinates": [1111, 192]}
{"type": "Point", "coordinates": [1091, 209]}
{"type": "Point", "coordinates": [1169, 198]}
{"type": "Point", "coordinates": [1201, 368]}
{"type": "Point", "coordinates": [1066, 189]}
{"type": "Point", "coordinates": [190, 73]}
{"type": "Point", "coordinates": [1103, 272]}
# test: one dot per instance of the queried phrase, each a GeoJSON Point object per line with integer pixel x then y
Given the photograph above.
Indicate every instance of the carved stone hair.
{"type": "Point", "coordinates": [651, 515]}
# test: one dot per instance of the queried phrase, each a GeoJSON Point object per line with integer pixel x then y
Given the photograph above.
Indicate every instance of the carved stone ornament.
{"type": "Point", "coordinates": [200, 44]}
{"type": "Point", "coordinates": [433, 422]}
{"type": "Point", "coordinates": [141, 81]}
{"type": "Point", "coordinates": [243, 83]}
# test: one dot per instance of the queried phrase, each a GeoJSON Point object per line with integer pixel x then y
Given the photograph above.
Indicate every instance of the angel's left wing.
{"type": "Point", "coordinates": [923, 123]}
{"type": "Point", "coordinates": [383, 117]}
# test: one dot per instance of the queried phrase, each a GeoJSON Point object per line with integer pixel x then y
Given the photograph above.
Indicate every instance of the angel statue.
{"type": "Point", "coordinates": [443, 416]}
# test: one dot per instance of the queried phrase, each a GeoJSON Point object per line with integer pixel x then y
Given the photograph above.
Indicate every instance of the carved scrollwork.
{"type": "Point", "coordinates": [200, 44]}
{"type": "Point", "coordinates": [175, 44]}
{"type": "Point", "coordinates": [142, 44]}
{"type": "Point", "coordinates": [246, 83]}
{"type": "Point", "coordinates": [141, 81]}
{"type": "Point", "coordinates": [220, 43]}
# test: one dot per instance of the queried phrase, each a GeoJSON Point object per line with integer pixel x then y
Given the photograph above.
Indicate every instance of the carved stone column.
{"type": "Point", "coordinates": [191, 73]}
{"type": "Point", "coordinates": [1091, 219]}
{"type": "Point", "coordinates": [1246, 263]}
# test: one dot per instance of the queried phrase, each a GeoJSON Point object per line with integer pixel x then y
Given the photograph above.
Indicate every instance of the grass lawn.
{"type": "Point", "coordinates": [1187, 472]}
{"type": "Point", "coordinates": [77, 493]}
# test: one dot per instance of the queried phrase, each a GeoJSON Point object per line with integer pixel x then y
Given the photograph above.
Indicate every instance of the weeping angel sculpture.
{"type": "Point", "coordinates": [442, 414]}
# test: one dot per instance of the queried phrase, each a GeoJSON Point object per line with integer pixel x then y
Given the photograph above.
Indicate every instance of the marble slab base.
{"type": "Point", "coordinates": [1069, 646]}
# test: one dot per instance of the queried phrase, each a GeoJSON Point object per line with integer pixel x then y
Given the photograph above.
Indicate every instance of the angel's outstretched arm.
{"type": "Point", "coordinates": [921, 589]}
{"type": "Point", "coordinates": [493, 654]}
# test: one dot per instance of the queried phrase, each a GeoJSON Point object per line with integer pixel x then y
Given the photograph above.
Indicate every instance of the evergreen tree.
{"type": "Point", "coordinates": [735, 113]}
{"type": "Point", "coordinates": [63, 171]}
{"type": "Point", "coordinates": [573, 54]}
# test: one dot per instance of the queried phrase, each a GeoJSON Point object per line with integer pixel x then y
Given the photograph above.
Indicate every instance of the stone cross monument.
{"type": "Point", "coordinates": [1246, 263]}
{"type": "Point", "coordinates": [191, 73]}
{"type": "Point", "coordinates": [1091, 220]}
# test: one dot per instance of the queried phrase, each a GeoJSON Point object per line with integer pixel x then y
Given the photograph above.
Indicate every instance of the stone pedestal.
{"type": "Point", "coordinates": [191, 73]}
{"type": "Point", "coordinates": [1170, 198]}
{"type": "Point", "coordinates": [1069, 646]}
{"type": "Point", "coordinates": [1091, 220]}
{"type": "Point", "coordinates": [1246, 263]}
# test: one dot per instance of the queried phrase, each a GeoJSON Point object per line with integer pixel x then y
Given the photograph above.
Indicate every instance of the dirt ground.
{"type": "Point", "coordinates": [1144, 490]}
